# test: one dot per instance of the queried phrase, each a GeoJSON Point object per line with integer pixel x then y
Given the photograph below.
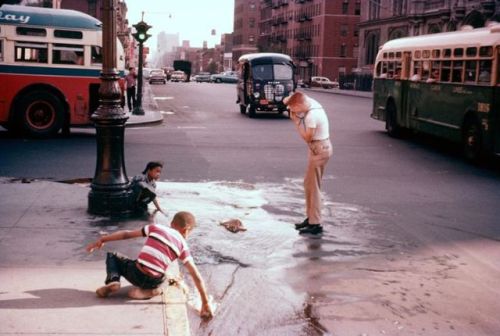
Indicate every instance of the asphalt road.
{"type": "Point", "coordinates": [413, 230]}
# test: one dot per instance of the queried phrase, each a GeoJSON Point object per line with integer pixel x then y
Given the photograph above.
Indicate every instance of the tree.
{"type": "Point", "coordinates": [212, 67]}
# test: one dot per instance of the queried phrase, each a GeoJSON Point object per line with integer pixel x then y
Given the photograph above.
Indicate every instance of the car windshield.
{"type": "Point", "coordinates": [272, 72]}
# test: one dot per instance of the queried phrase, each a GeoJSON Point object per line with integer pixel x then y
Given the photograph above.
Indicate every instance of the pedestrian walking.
{"type": "Point", "coordinates": [130, 81]}
{"type": "Point", "coordinates": [312, 125]}
{"type": "Point", "coordinates": [163, 246]}
{"type": "Point", "coordinates": [144, 188]}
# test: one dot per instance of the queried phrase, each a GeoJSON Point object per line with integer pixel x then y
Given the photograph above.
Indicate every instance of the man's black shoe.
{"type": "Point", "coordinates": [302, 225]}
{"type": "Point", "coordinates": [312, 229]}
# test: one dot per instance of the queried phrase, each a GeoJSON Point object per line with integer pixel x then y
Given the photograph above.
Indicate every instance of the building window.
{"type": "Point", "coordinates": [345, 7]}
{"type": "Point", "coordinates": [251, 22]}
{"type": "Point", "coordinates": [374, 9]}
{"type": "Point", "coordinates": [343, 50]}
{"type": "Point", "coordinates": [252, 5]}
{"type": "Point", "coordinates": [399, 7]}
{"type": "Point", "coordinates": [372, 44]}
{"type": "Point", "coordinates": [251, 39]}
{"type": "Point", "coordinates": [434, 29]}
{"type": "Point", "coordinates": [357, 8]}
{"type": "Point", "coordinates": [343, 30]}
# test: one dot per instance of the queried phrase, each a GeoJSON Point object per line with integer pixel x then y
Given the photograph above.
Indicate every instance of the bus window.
{"type": "Point", "coordinates": [471, 52]}
{"type": "Point", "coordinates": [68, 34]}
{"type": "Point", "coordinates": [458, 52]}
{"type": "Point", "coordinates": [417, 54]}
{"type": "Point", "coordinates": [67, 54]}
{"type": "Point", "coordinates": [426, 54]}
{"type": "Point", "coordinates": [457, 69]}
{"type": "Point", "coordinates": [96, 55]}
{"type": "Point", "coordinates": [436, 53]}
{"type": "Point", "coordinates": [425, 70]}
{"type": "Point", "coordinates": [31, 52]}
{"type": "Point", "coordinates": [379, 68]}
{"type": "Point", "coordinates": [28, 31]}
{"type": "Point", "coordinates": [447, 53]}
{"type": "Point", "coordinates": [470, 70]}
{"type": "Point", "coordinates": [1, 50]}
{"type": "Point", "coordinates": [485, 52]}
{"type": "Point", "coordinates": [484, 71]}
{"type": "Point", "coordinates": [416, 70]}
{"type": "Point", "coordinates": [445, 71]}
{"type": "Point", "coordinates": [390, 69]}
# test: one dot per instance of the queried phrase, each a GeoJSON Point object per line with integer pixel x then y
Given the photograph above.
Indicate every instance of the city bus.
{"type": "Point", "coordinates": [445, 84]}
{"type": "Point", "coordinates": [50, 65]}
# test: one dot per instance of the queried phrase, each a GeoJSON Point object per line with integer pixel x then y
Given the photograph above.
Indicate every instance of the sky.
{"type": "Point", "coordinates": [192, 19]}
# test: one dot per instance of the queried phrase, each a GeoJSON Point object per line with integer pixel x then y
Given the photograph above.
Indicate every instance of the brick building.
{"type": "Point", "coordinates": [246, 27]}
{"type": "Point", "coordinates": [320, 35]}
{"type": "Point", "coordinates": [384, 20]}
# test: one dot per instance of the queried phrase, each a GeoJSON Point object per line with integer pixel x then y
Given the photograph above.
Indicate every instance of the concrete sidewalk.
{"type": "Point", "coordinates": [152, 115]}
{"type": "Point", "coordinates": [47, 279]}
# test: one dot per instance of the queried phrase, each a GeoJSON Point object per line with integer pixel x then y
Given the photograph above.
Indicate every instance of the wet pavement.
{"type": "Point", "coordinates": [354, 280]}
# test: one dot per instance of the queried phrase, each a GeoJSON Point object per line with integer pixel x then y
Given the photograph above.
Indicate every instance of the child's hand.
{"type": "Point", "coordinates": [92, 246]}
{"type": "Point", "coordinates": [206, 311]}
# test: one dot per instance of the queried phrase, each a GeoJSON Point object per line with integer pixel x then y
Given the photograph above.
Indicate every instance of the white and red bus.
{"type": "Point", "coordinates": [50, 66]}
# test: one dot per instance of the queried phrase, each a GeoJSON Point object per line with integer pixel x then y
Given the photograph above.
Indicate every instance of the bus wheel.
{"type": "Point", "coordinates": [391, 122]}
{"type": "Point", "coordinates": [251, 111]}
{"type": "Point", "coordinates": [41, 114]}
{"type": "Point", "coordinates": [243, 109]}
{"type": "Point", "coordinates": [472, 140]}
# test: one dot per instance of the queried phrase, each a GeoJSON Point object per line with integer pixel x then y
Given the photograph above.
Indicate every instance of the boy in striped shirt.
{"type": "Point", "coordinates": [147, 273]}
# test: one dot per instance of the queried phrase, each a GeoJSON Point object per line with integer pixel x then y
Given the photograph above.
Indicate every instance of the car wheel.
{"type": "Point", "coordinates": [41, 114]}
{"type": "Point", "coordinates": [218, 80]}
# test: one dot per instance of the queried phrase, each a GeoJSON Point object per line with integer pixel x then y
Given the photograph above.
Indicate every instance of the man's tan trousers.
{"type": "Point", "coordinates": [319, 154]}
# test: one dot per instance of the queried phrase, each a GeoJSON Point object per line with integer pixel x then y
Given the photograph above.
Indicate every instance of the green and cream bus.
{"type": "Point", "coordinates": [446, 85]}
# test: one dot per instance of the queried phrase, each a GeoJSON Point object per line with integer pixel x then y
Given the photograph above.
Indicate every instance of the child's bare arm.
{"type": "Point", "coordinates": [118, 235]}
{"type": "Point", "coordinates": [206, 310]}
{"type": "Point", "coordinates": [157, 205]}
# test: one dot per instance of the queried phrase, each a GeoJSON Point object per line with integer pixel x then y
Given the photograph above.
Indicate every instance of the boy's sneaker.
{"type": "Point", "coordinates": [312, 229]}
{"type": "Point", "coordinates": [144, 294]}
{"type": "Point", "coordinates": [302, 225]}
{"type": "Point", "coordinates": [105, 290]}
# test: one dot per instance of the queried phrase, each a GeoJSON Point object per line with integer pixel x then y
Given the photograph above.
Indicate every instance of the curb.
{"type": "Point", "coordinates": [352, 93]}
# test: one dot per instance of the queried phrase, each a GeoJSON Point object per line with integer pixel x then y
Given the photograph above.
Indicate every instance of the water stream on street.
{"type": "Point", "coordinates": [248, 273]}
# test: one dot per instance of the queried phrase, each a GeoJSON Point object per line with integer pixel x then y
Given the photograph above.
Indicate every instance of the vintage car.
{"type": "Point", "coordinates": [265, 79]}
{"type": "Point", "coordinates": [225, 77]}
{"type": "Point", "coordinates": [157, 76]}
{"type": "Point", "coordinates": [178, 76]}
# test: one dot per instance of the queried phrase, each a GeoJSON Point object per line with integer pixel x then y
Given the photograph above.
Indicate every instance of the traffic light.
{"type": "Point", "coordinates": [141, 32]}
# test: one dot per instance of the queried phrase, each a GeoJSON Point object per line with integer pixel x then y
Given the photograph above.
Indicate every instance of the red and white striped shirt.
{"type": "Point", "coordinates": [162, 247]}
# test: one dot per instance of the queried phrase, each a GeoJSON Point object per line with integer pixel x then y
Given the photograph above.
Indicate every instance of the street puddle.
{"type": "Point", "coordinates": [247, 271]}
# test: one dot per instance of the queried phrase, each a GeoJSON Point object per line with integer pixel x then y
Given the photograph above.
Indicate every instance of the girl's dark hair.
{"type": "Point", "coordinates": [152, 165]}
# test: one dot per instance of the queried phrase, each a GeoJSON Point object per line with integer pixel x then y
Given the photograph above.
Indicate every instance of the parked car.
{"type": "Point", "coordinates": [323, 82]}
{"type": "Point", "coordinates": [225, 77]}
{"type": "Point", "coordinates": [203, 77]}
{"type": "Point", "coordinates": [178, 76]}
{"type": "Point", "coordinates": [157, 75]}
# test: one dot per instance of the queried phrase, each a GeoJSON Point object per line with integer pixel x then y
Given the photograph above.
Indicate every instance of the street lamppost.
{"type": "Point", "coordinates": [110, 192]}
{"type": "Point", "coordinates": [141, 36]}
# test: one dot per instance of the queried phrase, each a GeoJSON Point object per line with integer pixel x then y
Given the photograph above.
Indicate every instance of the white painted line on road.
{"type": "Point", "coordinates": [163, 98]}
{"type": "Point", "coordinates": [167, 112]}
{"type": "Point", "coordinates": [185, 106]}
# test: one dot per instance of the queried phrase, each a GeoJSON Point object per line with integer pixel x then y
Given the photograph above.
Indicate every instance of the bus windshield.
{"type": "Point", "coordinates": [272, 72]}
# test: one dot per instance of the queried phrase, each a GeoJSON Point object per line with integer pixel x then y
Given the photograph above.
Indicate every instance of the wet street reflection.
{"type": "Point", "coordinates": [255, 275]}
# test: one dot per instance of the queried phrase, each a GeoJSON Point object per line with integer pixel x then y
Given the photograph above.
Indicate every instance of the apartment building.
{"type": "Point", "coordinates": [384, 20]}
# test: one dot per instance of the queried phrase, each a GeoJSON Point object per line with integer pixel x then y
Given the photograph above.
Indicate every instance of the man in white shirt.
{"type": "Point", "coordinates": [312, 125]}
